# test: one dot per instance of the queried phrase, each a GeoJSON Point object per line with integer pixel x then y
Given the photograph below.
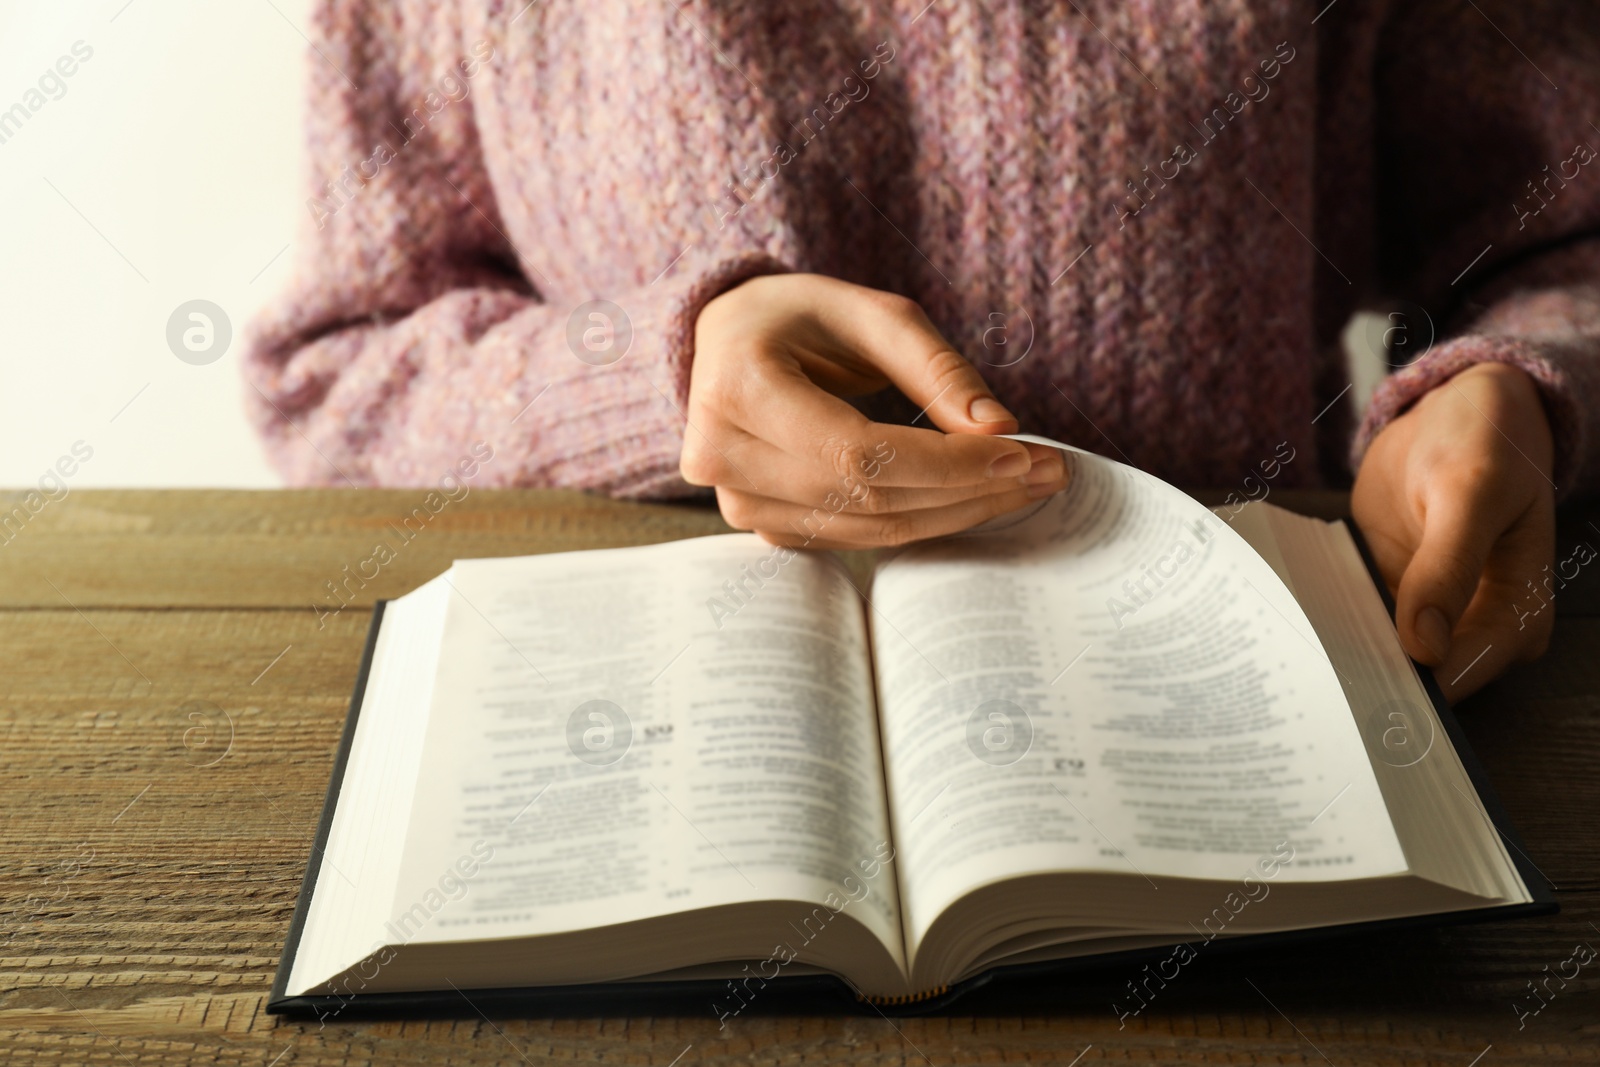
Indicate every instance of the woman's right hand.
{"type": "Point", "coordinates": [793, 461]}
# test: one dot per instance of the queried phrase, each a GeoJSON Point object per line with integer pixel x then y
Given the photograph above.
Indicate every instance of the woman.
{"type": "Point", "coordinates": [639, 246]}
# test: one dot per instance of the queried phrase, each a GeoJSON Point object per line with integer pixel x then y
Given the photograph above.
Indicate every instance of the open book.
{"type": "Point", "coordinates": [1117, 721]}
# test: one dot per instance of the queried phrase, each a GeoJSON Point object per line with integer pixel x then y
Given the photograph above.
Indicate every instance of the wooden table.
{"type": "Point", "coordinates": [171, 707]}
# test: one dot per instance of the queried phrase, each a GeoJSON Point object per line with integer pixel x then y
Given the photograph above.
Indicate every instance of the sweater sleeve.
{"type": "Point", "coordinates": [1489, 201]}
{"type": "Point", "coordinates": [415, 336]}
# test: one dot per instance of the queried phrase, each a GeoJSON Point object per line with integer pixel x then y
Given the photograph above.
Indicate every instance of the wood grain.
{"type": "Point", "coordinates": [168, 717]}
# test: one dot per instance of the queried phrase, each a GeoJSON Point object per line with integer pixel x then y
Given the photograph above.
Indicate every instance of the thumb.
{"type": "Point", "coordinates": [917, 359]}
{"type": "Point", "coordinates": [1443, 574]}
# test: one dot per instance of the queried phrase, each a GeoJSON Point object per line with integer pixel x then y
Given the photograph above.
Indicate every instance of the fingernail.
{"type": "Point", "coordinates": [1433, 630]}
{"type": "Point", "coordinates": [1044, 472]}
{"type": "Point", "coordinates": [1010, 465]}
{"type": "Point", "coordinates": [988, 409]}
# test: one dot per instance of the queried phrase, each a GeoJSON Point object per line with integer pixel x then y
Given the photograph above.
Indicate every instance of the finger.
{"type": "Point", "coordinates": [820, 429]}
{"type": "Point", "coordinates": [1490, 638]}
{"type": "Point", "coordinates": [1462, 521]}
{"type": "Point", "coordinates": [894, 335]}
{"type": "Point", "coordinates": [784, 523]}
{"type": "Point", "coordinates": [880, 479]}
{"type": "Point", "coordinates": [1510, 618]}
{"type": "Point", "coordinates": [742, 509]}
{"type": "Point", "coordinates": [1386, 540]}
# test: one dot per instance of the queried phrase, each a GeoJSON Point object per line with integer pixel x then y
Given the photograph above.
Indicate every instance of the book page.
{"type": "Point", "coordinates": [1447, 835]}
{"type": "Point", "coordinates": [1115, 682]}
{"type": "Point", "coordinates": [361, 857]}
{"type": "Point", "coordinates": [623, 734]}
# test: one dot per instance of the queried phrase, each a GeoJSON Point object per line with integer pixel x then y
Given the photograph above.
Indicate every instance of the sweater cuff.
{"type": "Point", "coordinates": [679, 314]}
{"type": "Point", "coordinates": [683, 310]}
{"type": "Point", "coordinates": [1395, 395]}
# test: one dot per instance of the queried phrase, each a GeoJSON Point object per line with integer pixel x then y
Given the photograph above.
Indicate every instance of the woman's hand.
{"type": "Point", "coordinates": [1456, 502]}
{"type": "Point", "coordinates": [793, 461]}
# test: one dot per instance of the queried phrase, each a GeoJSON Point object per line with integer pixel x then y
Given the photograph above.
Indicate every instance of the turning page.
{"type": "Point", "coordinates": [1115, 682]}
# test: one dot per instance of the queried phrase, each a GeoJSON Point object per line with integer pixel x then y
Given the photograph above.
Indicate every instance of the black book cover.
{"type": "Point", "coordinates": [826, 993]}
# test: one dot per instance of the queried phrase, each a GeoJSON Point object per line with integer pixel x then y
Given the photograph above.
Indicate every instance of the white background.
{"type": "Point", "coordinates": [179, 142]}
{"type": "Point", "coordinates": [167, 172]}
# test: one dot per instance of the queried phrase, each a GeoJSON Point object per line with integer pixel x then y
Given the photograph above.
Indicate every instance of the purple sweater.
{"type": "Point", "coordinates": [1145, 222]}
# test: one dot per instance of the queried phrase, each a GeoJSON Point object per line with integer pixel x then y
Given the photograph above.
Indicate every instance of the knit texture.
{"type": "Point", "coordinates": [1144, 221]}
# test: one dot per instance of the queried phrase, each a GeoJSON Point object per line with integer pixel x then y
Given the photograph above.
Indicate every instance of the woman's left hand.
{"type": "Point", "coordinates": [1457, 505]}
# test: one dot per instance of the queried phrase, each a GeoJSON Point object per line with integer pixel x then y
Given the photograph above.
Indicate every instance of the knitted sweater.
{"type": "Point", "coordinates": [1145, 221]}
